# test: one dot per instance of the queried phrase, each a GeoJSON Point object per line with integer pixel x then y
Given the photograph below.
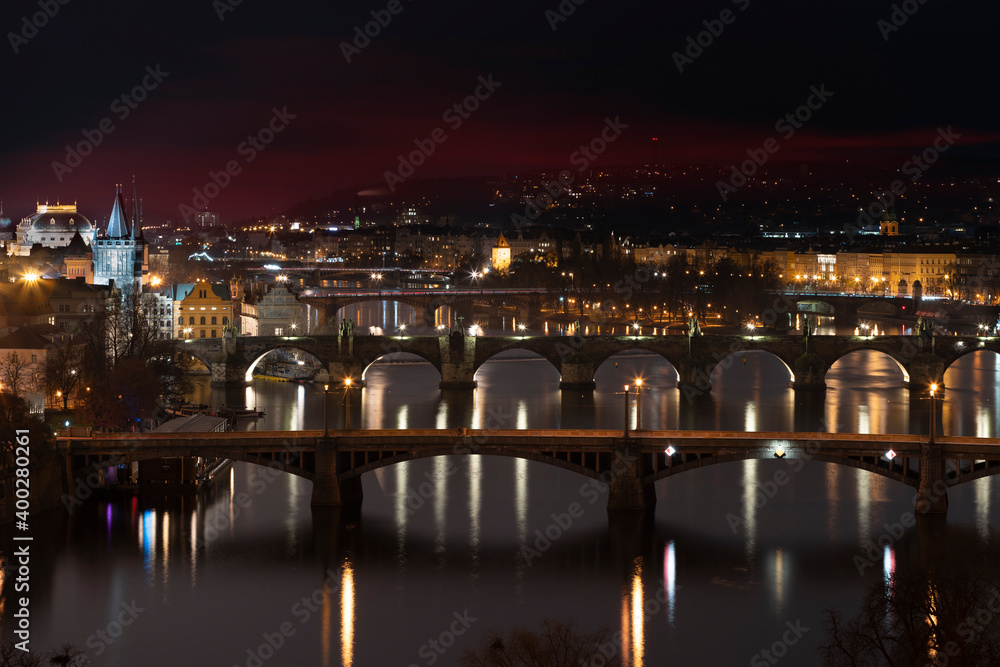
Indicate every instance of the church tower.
{"type": "Point", "coordinates": [501, 255]}
{"type": "Point", "coordinates": [889, 225]}
{"type": "Point", "coordinates": [119, 253]}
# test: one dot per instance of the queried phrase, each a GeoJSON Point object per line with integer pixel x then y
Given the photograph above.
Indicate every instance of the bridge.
{"type": "Point", "coordinates": [525, 303]}
{"type": "Point", "coordinates": [921, 360]}
{"type": "Point", "coordinates": [628, 463]}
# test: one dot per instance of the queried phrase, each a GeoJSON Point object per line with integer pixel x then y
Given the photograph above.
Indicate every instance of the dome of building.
{"type": "Point", "coordinates": [59, 219]}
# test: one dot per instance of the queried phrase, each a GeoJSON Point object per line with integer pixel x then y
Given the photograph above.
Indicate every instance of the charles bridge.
{"type": "Point", "coordinates": [456, 356]}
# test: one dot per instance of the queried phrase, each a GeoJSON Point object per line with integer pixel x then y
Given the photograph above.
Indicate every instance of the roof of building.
{"type": "Point", "coordinates": [58, 218]}
{"type": "Point", "coordinates": [117, 224]}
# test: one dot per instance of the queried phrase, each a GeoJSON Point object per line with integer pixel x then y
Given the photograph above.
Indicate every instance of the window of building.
{"type": "Point", "coordinates": [190, 320]}
{"type": "Point", "coordinates": [214, 321]}
{"type": "Point", "coordinates": [202, 333]}
{"type": "Point", "coordinates": [213, 333]}
{"type": "Point", "coordinates": [225, 321]}
{"type": "Point", "coordinates": [203, 320]}
{"type": "Point", "coordinates": [34, 358]}
{"type": "Point", "coordinates": [279, 331]}
{"type": "Point", "coordinates": [180, 320]}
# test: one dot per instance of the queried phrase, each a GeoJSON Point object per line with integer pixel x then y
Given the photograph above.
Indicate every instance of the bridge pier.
{"type": "Point", "coordinates": [577, 374]}
{"type": "Point", "coordinates": [328, 489]}
{"type": "Point", "coordinates": [810, 372]}
{"type": "Point", "coordinates": [932, 494]}
{"type": "Point", "coordinates": [926, 369]}
{"type": "Point", "coordinates": [228, 372]}
{"type": "Point", "coordinates": [626, 489]}
{"type": "Point", "coordinates": [694, 375]}
{"type": "Point", "coordinates": [458, 361]}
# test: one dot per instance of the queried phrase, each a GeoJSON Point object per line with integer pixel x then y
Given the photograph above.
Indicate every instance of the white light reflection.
{"type": "Point", "coordinates": [522, 415]}
{"type": "Point", "coordinates": [403, 417]}
{"type": "Point", "coordinates": [475, 501]}
{"type": "Point", "coordinates": [750, 417]}
{"type": "Point", "coordinates": [864, 492]}
{"type": "Point", "coordinates": [165, 557]}
{"type": "Point", "coordinates": [521, 514]}
{"type": "Point", "coordinates": [440, 507]}
{"type": "Point", "coordinates": [402, 474]}
{"type": "Point", "coordinates": [299, 414]}
{"type": "Point", "coordinates": [292, 515]}
{"type": "Point", "coordinates": [670, 579]}
{"type": "Point", "coordinates": [864, 420]}
{"type": "Point", "coordinates": [888, 567]}
{"type": "Point", "coordinates": [750, 508]}
{"type": "Point", "coordinates": [981, 489]}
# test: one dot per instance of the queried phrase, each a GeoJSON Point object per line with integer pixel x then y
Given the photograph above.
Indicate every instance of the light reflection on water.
{"type": "Point", "coordinates": [463, 545]}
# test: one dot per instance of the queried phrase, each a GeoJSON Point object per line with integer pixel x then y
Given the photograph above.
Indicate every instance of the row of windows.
{"type": "Point", "coordinates": [225, 320]}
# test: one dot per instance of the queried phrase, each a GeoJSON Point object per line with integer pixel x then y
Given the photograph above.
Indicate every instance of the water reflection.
{"type": "Point", "coordinates": [670, 579]}
{"type": "Point", "coordinates": [346, 612]}
{"type": "Point", "coordinates": [750, 509]}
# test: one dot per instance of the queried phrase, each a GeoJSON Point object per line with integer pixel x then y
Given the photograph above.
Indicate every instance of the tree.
{"type": "Point", "coordinates": [62, 371]}
{"type": "Point", "coordinates": [940, 610]}
{"type": "Point", "coordinates": [14, 372]}
{"type": "Point", "coordinates": [128, 367]}
{"type": "Point", "coordinates": [14, 415]}
{"type": "Point", "coordinates": [555, 644]}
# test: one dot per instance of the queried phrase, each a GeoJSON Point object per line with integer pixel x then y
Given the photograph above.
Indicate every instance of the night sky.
{"type": "Point", "coordinates": [221, 80]}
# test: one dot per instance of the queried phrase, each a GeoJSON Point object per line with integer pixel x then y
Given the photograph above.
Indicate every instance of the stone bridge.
{"type": "Point", "coordinates": [628, 463]}
{"type": "Point", "coordinates": [457, 357]}
{"type": "Point", "coordinates": [463, 303]}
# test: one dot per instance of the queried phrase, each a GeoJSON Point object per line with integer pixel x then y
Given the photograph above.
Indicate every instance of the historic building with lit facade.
{"type": "Point", "coordinates": [121, 253]}
{"type": "Point", "coordinates": [52, 226]}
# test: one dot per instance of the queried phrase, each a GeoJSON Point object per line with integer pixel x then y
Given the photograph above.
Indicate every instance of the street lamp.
{"type": "Point", "coordinates": [347, 398]}
{"type": "Point", "coordinates": [626, 412]}
{"type": "Point", "coordinates": [638, 404]}
{"type": "Point", "coordinates": [930, 439]}
{"type": "Point", "coordinates": [326, 411]}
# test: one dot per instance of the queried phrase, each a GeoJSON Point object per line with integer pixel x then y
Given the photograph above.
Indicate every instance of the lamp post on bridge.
{"type": "Point", "coordinates": [347, 401]}
{"type": "Point", "coordinates": [930, 439]}
{"type": "Point", "coordinates": [638, 404]}
{"type": "Point", "coordinates": [626, 412]}
{"type": "Point", "coordinates": [326, 411]}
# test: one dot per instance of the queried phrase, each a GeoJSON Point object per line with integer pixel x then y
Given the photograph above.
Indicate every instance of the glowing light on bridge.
{"type": "Point", "coordinates": [890, 455]}
{"type": "Point", "coordinates": [670, 450]}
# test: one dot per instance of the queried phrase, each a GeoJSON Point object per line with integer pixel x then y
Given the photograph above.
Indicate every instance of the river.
{"type": "Point", "coordinates": [444, 549]}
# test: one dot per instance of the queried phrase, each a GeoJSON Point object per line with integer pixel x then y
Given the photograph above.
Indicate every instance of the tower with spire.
{"type": "Point", "coordinates": [120, 252]}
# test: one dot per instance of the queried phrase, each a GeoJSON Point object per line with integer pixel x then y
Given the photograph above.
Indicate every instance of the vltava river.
{"type": "Point", "coordinates": [444, 549]}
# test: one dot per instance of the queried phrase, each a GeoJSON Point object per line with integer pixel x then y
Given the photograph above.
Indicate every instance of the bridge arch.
{"type": "Point", "coordinates": [513, 351]}
{"type": "Point", "coordinates": [289, 347]}
{"type": "Point", "coordinates": [897, 362]}
{"type": "Point", "coordinates": [632, 357]}
{"type": "Point", "coordinates": [869, 464]}
{"type": "Point", "coordinates": [592, 471]}
{"type": "Point", "coordinates": [191, 361]}
{"type": "Point", "coordinates": [961, 351]}
{"type": "Point", "coordinates": [739, 357]}
{"type": "Point", "coordinates": [303, 468]}
{"type": "Point", "coordinates": [407, 356]}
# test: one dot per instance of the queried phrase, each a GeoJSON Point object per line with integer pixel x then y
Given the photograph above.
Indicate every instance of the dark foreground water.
{"type": "Point", "coordinates": [445, 548]}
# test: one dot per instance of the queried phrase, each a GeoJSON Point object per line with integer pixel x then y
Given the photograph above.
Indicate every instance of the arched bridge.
{"type": "Point", "coordinates": [457, 357]}
{"type": "Point", "coordinates": [628, 465]}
